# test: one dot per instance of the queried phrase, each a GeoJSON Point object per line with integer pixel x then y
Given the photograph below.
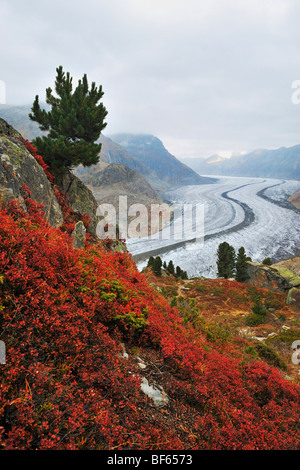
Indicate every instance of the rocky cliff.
{"type": "Point", "coordinates": [19, 167]}
{"type": "Point", "coordinates": [80, 197]}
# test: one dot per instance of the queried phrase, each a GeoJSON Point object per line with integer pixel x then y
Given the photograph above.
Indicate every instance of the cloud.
{"type": "Point", "coordinates": [204, 76]}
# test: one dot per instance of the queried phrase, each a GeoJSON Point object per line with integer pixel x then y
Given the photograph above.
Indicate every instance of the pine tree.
{"type": "Point", "coordinates": [178, 271]}
{"type": "Point", "coordinates": [156, 266]}
{"type": "Point", "coordinates": [74, 123]}
{"type": "Point", "coordinates": [150, 262]}
{"type": "Point", "coordinates": [184, 275]}
{"type": "Point", "coordinates": [226, 260]}
{"type": "Point", "coordinates": [241, 266]}
{"type": "Point", "coordinates": [171, 267]}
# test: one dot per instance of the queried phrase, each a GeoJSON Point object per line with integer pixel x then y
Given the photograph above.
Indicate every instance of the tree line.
{"type": "Point", "coordinates": [156, 265]}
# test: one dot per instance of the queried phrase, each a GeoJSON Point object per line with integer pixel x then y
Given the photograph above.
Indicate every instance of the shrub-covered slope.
{"type": "Point", "coordinates": [67, 384]}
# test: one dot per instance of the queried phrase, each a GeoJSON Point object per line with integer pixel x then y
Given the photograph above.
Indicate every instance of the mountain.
{"type": "Point", "coordinates": [150, 151]}
{"type": "Point", "coordinates": [295, 199]}
{"type": "Point", "coordinates": [113, 153]}
{"type": "Point", "coordinates": [17, 116]}
{"type": "Point", "coordinates": [279, 163]}
{"type": "Point", "coordinates": [118, 178]}
{"type": "Point", "coordinates": [96, 355]}
{"type": "Point", "coordinates": [137, 188]}
{"type": "Point", "coordinates": [110, 181]}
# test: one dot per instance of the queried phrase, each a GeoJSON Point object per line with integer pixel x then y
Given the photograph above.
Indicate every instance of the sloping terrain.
{"type": "Point", "coordinates": [150, 151]}
{"type": "Point", "coordinates": [88, 338]}
{"type": "Point", "coordinates": [101, 356]}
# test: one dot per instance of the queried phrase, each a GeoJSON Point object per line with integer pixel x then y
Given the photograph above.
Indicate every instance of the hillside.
{"type": "Point", "coordinates": [279, 163]}
{"type": "Point", "coordinates": [17, 116]}
{"type": "Point", "coordinates": [112, 181]}
{"type": "Point", "coordinates": [98, 359]}
{"type": "Point", "coordinates": [102, 357]}
{"type": "Point", "coordinates": [150, 151]}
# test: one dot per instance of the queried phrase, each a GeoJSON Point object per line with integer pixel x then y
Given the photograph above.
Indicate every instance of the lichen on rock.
{"type": "Point", "coordinates": [18, 168]}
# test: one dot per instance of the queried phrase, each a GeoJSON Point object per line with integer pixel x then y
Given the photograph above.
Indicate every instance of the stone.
{"type": "Point", "coordinates": [79, 234]}
{"type": "Point", "coordinates": [7, 130]}
{"type": "Point", "coordinates": [156, 394]}
{"type": "Point", "coordinates": [293, 297]}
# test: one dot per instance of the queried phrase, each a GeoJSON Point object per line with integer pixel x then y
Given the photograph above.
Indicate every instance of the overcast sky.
{"type": "Point", "coordinates": [205, 76]}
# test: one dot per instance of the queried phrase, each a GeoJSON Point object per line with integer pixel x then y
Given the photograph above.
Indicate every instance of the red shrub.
{"type": "Point", "coordinates": [64, 314]}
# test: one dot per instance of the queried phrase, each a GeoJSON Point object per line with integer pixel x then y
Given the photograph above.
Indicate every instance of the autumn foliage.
{"type": "Point", "coordinates": [64, 314]}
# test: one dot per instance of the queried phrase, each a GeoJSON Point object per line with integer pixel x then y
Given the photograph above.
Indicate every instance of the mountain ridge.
{"type": "Point", "coordinates": [160, 169]}
{"type": "Point", "coordinates": [150, 151]}
{"type": "Point", "coordinates": [283, 162]}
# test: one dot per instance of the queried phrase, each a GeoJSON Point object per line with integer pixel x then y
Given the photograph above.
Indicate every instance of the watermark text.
{"type": "Point", "coordinates": [159, 221]}
{"type": "Point", "coordinates": [2, 92]}
{"type": "Point", "coordinates": [296, 93]}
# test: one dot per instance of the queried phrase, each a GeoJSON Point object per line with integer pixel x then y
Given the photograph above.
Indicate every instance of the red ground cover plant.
{"type": "Point", "coordinates": [64, 313]}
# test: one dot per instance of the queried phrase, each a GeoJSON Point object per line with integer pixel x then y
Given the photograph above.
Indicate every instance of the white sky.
{"type": "Point", "coordinates": [205, 76]}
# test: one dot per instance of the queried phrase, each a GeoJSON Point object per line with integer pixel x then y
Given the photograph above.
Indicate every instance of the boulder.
{"type": "Point", "coordinates": [277, 278]}
{"type": "Point", "coordinates": [293, 297]}
{"type": "Point", "coordinates": [80, 197]}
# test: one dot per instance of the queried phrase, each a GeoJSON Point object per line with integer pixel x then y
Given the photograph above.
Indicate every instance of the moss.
{"type": "Point", "coordinates": [285, 337]}
{"type": "Point", "coordinates": [14, 151]}
{"type": "Point", "coordinates": [254, 319]}
{"type": "Point", "coordinates": [287, 274]}
{"type": "Point", "coordinates": [270, 356]}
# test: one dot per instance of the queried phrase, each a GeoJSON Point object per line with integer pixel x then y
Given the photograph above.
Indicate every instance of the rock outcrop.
{"type": "Point", "coordinates": [273, 277]}
{"type": "Point", "coordinates": [79, 235]}
{"type": "Point", "coordinates": [80, 197]}
{"type": "Point", "coordinates": [19, 167]}
{"type": "Point", "coordinates": [277, 277]}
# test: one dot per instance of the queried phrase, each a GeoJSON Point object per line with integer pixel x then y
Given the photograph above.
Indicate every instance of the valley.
{"type": "Point", "coordinates": [249, 212]}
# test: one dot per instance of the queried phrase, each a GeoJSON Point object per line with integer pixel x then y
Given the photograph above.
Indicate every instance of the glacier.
{"type": "Point", "coordinates": [248, 212]}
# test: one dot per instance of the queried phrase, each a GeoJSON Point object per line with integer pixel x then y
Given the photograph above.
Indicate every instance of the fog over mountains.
{"type": "Point", "coordinates": [151, 153]}
{"type": "Point", "coordinates": [262, 163]}
{"type": "Point", "coordinates": [147, 155]}
{"type": "Point", "coordinates": [144, 154]}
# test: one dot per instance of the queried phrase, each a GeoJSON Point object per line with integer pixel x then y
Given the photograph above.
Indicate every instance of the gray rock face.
{"type": "Point", "coordinates": [7, 130]}
{"type": "Point", "coordinates": [18, 167]}
{"type": "Point", "coordinates": [81, 199]}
